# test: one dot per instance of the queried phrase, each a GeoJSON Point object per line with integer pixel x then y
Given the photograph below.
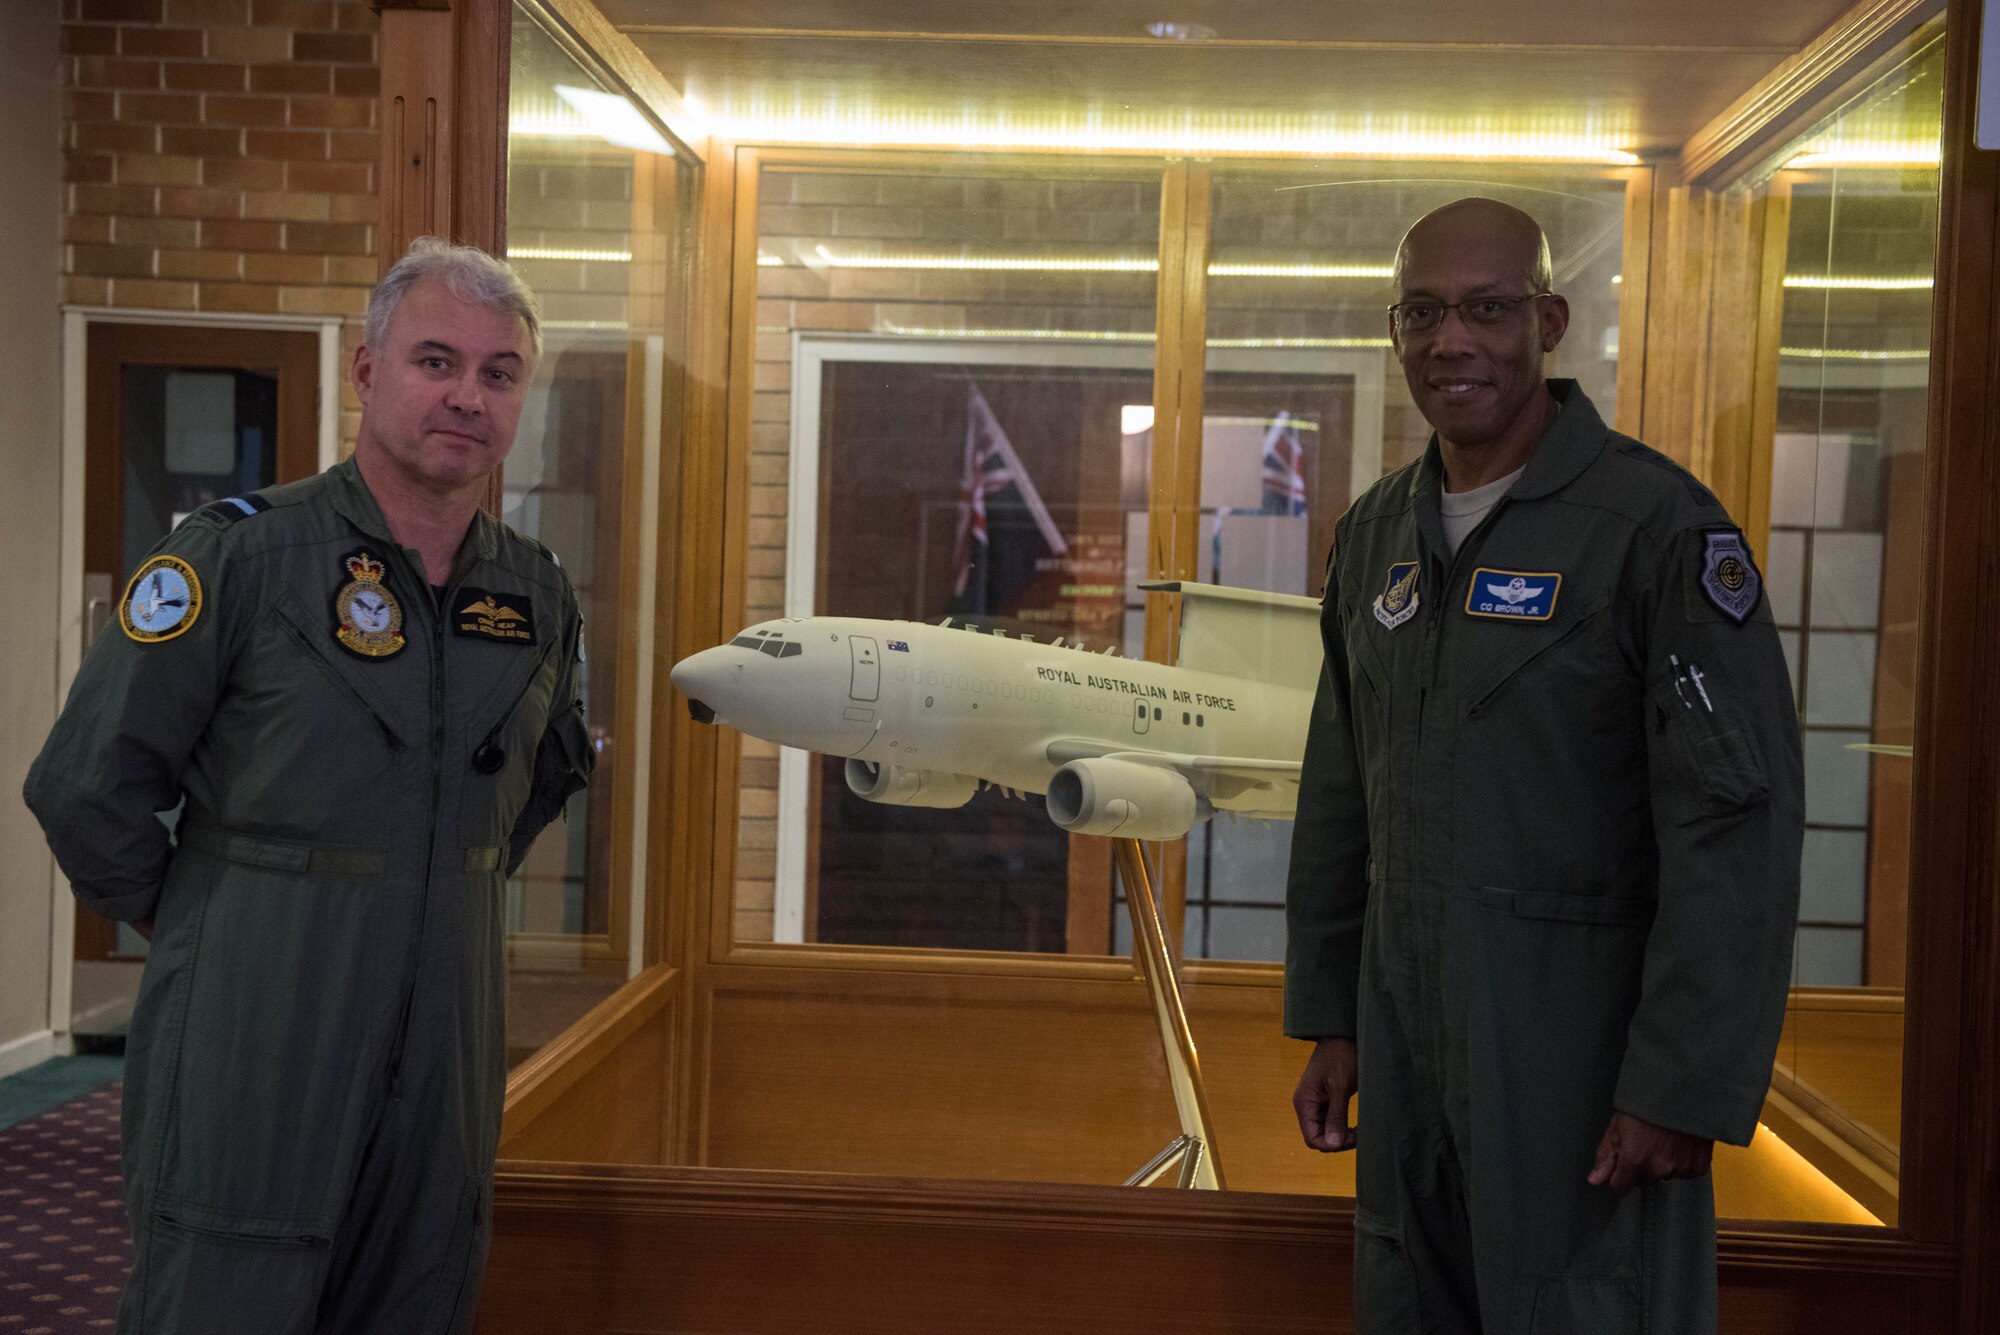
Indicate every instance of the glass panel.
{"type": "Point", "coordinates": [1844, 551]}
{"type": "Point", "coordinates": [952, 419]}
{"type": "Point", "coordinates": [601, 230]}
{"type": "Point", "coordinates": [1305, 406]}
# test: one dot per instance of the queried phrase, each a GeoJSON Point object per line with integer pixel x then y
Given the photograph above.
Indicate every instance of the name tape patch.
{"type": "Point", "coordinates": [1513, 595]}
{"type": "Point", "coordinates": [507, 617]}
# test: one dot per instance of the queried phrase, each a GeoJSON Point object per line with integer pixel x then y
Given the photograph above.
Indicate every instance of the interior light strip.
{"type": "Point", "coordinates": [1124, 336]}
{"type": "Point", "coordinates": [1839, 283]}
{"type": "Point", "coordinates": [766, 260]}
{"type": "Point", "coordinates": [1858, 354]}
{"type": "Point", "coordinates": [1160, 134]}
{"type": "Point", "coordinates": [549, 127]}
{"type": "Point", "coordinates": [567, 253]}
{"type": "Point", "coordinates": [1921, 153]}
{"type": "Point", "coordinates": [1085, 264]}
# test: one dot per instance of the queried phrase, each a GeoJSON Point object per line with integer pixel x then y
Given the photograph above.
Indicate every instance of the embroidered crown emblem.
{"type": "Point", "coordinates": [365, 567]}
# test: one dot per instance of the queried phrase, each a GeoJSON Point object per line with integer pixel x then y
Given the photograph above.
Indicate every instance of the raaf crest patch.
{"type": "Point", "coordinates": [1728, 576]}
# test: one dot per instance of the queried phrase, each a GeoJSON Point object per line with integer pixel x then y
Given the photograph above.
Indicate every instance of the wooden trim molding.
{"type": "Point", "coordinates": [596, 42]}
{"type": "Point", "coordinates": [1801, 88]}
{"type": "Point", "coordinates": [538, 1082]}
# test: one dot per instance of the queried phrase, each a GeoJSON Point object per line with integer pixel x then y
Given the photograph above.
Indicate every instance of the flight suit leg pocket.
{"type": "Point", "coordinates": [199, 1272]}
{"type": "Point", "coordinates": [1385, 1278]}
{"type": "Point", "coordinates": [459, 1300]}
{"type": "Point", "coordinates": [1578, 1305]}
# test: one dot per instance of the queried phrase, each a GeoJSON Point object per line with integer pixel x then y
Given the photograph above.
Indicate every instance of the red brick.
{"type": "Point", "coordinates": [322, 301]}
{"type": "Point", "coordinates": [252, 46]}
{"type": "Point", "coordinates": [356, 18]}
{"type": "Point", "coordinates": [181, 203]}
{"type": "Point", "coordinates": [159, 108]}
{"type": "Point", "coordinates": [293, 13]}
{"type": "Point", "coordinates": [88, 168]}
{"type": "Point", "coordinates": [238, 297]}
{"type": "Point", "coordinates": [107, 72]}
{"type": "Point", "coordinates": [200, 264]}
{"type": "Point", "coordinates": [285, 206]}
{"type": "Point", "coordinates": [114, 138]}
{"type": "Point", "coordinates": [82, 106]}
{"type": "Point", "coordinates": [352, 270]}
{"type": "Point", "coordinates": [285, 268]}
{"type": "Point", "coordinates": [112, 261]}
{"type": "Point", "coordinates": [89, 40]}
{"type": "Point", "coordinates": [337, 113]}
{"type": "Point", "coordinates": [201, 141]}
{"type": "Point", "coordinates": [87, 230]}
{"type": "Point", "coordinates": [123, 11]}
{"type": "Point", "coordinates": [208, 13]}
{"type": "Point", "coordinates": [357, 81]}
{"type": "Point", "coordinates": [158, 169]}
{"type": "Point", "coordinates": [333, 178]}
{"type": "Point", "coordinates": [200, 76]}
{"type": "Point", "coordinates": [87, 291]}
{"type": "Point", "coordinates": [140, 199]}
{"type": "Point", "coordinates": [334, 48]}
{"type": "Point", "coordinates": [256, 113]}
{"type": "Point", "coordinates": [291, 78]}
{"type": "Point", "coordinates": [177, 43]}
{"type": "Point", "coordinates": [329, 238]}
{"type": "Point", "coordinates": [243, 173]}
{"type": "Point", "coordinates": [354, 146]}
{"type": "Point", "coordinates": [173, 233]}
{"type": "Point", "coordinates": [148, 292]}
{"type": "Point", "coordinates": [354, 209]}
{"type": "Point", "coordinates": [289, 145]}
{"type": "Point", "coordinates": [242, 234]}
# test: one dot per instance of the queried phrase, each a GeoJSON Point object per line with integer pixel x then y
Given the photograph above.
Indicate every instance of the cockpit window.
{"type": "Point", "coordinates": [745, 642]}
{"type": "Point", "coordinates": [792, 651]}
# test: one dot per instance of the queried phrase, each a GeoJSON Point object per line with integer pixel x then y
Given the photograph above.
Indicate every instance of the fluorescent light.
{"type": "Point", "coordinates": [1843, 283]}
{"type": "Point", "coordinates": [1134, 418]}
{"type": "Point", "coordinates": [568, 253]}
{"type": "Point", "coordinates": [1864, 153]}
{"type": "Point", "coordinates": [946, 262]}
{"type": "Point", "coordinates": [615, 120]}
{"type": "Point", "coordinates": [1857, 354]}
{"type": "Point", "coordinates": [766, 260]}
{"type": "Point", "coordinates": [1122, 336]}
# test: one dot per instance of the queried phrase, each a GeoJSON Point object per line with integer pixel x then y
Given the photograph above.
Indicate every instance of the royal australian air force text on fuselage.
{"type": "Point", "coordinates": [927, 714]}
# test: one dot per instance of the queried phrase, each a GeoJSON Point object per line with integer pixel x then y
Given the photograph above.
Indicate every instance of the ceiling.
{"type": "Point", "coordinates": [1634, 74]}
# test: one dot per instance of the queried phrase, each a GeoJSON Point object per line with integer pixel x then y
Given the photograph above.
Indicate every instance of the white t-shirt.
{"type": "Point", "coordinates": [1462, 510]}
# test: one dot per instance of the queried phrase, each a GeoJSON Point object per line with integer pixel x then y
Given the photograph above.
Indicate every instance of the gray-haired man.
{"type": "Point", "coordinates": [365, 690]}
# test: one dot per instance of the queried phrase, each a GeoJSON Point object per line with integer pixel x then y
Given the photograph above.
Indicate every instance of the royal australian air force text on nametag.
{"type": "Point", "coordinates": [483, 615]}
{"type": "Point", "coordinates": [1513, 595]}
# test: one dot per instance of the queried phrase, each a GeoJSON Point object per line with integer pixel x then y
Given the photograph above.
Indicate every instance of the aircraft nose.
{"type": "Point", "coordinates": [708, 679]}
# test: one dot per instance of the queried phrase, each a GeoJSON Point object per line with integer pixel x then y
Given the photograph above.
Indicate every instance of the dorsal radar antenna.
{"type": "Point", "coordinates": [1057, 643]}
{"type": "Point", "coordinates": [946, 623]}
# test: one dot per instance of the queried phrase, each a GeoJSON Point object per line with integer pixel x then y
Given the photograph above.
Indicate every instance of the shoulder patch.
{"type": "Point", "coordinates": [162, 601]}
{"type": "Point", "coordinates": [235, 508]}
{"type": "Point", "coordinates": [1729, 578]}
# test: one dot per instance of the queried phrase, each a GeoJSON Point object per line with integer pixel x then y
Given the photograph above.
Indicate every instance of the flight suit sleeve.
{"type": "Point", "coordinates": [1326, 889]}
{"type": "Point", "coordinates": [135, 713]}
{"type": "Point", "coordinates": [1728, 806]}
{"type": "Point", "coordinates": [564, 757]}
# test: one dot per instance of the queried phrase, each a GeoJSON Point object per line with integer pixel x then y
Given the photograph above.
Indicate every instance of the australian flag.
{"type": "Point", "coordinates": [1284, 467]}
{"type": "Point", "coordinates": [995, 494]}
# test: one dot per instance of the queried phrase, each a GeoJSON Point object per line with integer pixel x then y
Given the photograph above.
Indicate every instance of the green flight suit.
{"type": "Point", "coordinates": [1546, 866]}
{"type": "Point", "coordinates": [316, 1060]}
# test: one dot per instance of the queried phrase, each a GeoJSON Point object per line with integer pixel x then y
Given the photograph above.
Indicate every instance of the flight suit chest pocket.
{"type": "Point", "coordinates": [316, 671]}
{"type": "Point", "coordinates": [1564, 654]}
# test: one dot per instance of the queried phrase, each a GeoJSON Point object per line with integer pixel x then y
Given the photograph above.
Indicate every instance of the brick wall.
{"type": "Point", "coordinates": [220, 155]}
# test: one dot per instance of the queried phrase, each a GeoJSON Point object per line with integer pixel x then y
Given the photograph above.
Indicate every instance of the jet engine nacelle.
{"type": "Point", "coordinates": [898, 786]}
{"type": "Point", "coordinates": [1123, 798]}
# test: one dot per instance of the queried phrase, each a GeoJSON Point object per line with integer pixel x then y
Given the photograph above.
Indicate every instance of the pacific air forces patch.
{"type": "Point", "coordinates": [1397, 602]}
{"type": "Point", "coordinates": [1728, 576]}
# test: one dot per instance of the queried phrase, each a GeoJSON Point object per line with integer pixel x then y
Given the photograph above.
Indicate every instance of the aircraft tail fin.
{"type": "Point", "coordinates": [1271, 637]}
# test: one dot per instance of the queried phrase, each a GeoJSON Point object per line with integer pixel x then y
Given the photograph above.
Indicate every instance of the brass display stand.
{"type": "Point", "coordinates": [1191, 1155]}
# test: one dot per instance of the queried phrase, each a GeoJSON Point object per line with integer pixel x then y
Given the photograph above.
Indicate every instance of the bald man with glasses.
{"type": "Point", "coordinates": [1544, 878]}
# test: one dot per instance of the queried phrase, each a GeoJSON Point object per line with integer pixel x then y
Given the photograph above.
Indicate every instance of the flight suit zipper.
{"type": "Point", "coordinates": [438, 737]}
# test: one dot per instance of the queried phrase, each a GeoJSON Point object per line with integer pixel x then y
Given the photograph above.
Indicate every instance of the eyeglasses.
{"type": "Point", "coordinates": [1413, 319]}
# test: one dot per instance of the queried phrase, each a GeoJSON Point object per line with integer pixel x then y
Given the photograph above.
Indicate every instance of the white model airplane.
{"type": "Point", "coordinates": [927, 714]}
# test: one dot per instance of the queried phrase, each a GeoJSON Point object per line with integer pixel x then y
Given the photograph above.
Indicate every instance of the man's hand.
{"type": "Point", "coordinates": [1332, 1074]}
{"type": "Point", "coordinates": [1635, 1153]}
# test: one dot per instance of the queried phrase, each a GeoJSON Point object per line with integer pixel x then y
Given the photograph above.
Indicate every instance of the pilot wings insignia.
{"type": "Point", "coordinates": [1515, 590]}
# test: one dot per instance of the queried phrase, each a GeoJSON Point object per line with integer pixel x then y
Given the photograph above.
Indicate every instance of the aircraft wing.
{"type": "Point", "coordinates": [1217, 778]}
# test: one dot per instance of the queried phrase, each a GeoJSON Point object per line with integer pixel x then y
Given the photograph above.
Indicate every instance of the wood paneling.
{"type": "Point", "coordinates": [596, 1094]}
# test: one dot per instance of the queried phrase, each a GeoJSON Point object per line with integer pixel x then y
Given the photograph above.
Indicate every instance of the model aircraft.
{"type": "Point", "coordinates": [927, 715]}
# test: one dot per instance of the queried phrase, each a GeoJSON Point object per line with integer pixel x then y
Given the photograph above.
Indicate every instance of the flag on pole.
{"type": "Point", "coordinates": [1284, 467]}
{"type": "Point", "coordinates": [991, 466]}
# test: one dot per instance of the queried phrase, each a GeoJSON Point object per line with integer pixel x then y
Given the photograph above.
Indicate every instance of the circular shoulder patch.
{"type": "Point", "coordinates": [162, 601]}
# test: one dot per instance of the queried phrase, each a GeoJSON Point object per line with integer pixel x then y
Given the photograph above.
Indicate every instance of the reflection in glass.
{"type": "Point", "coordinates": [598, 224]}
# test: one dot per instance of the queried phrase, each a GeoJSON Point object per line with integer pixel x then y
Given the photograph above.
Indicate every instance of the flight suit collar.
{"type": "Point", "coordinates": [1572, 444]}
{"type": "Point", "coordinates": [356, 504]}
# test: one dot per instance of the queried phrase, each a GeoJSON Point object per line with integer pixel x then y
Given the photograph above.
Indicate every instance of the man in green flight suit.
{"type": "Point", "coordinates": [364, 692]}
{"type": "Point", "coordinates": [1544, 879]}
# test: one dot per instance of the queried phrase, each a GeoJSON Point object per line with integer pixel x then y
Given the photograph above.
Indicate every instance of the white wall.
{"type": "Point", "coordinates": [30, 478]}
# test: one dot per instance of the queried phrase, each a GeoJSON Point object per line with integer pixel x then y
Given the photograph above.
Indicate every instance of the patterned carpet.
{"type": "Point", "coordinates": [64, 1253]}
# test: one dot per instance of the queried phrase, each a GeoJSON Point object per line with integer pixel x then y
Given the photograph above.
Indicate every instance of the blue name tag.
{"type": "Point", "coordinates": [1513, 595]}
